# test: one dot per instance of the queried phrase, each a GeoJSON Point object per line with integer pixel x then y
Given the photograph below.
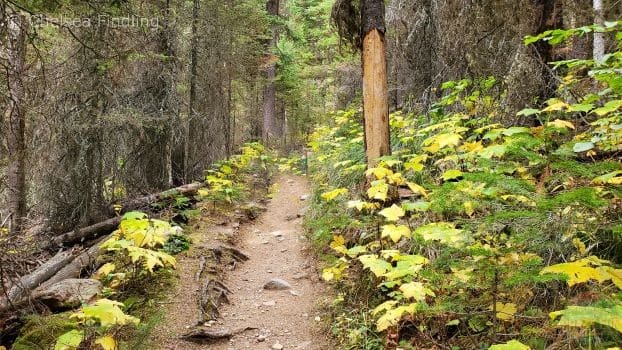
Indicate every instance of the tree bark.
{"type": "Point", "coordinates": [599, 38]}
{"type": "Point", "coordinates": [192, 126]}
{"type": "Point", "coordinates": [15, 119]}
{"type": "Point", "coordinates": [270, 128]}
{"type": "Point", "coordinates": [375, 85]}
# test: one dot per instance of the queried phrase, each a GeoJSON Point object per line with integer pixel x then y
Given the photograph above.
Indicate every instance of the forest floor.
{"type": "Point", "coordinates": [277, 249]}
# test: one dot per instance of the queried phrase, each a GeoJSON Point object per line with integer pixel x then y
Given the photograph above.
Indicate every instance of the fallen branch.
{"type": "Point", "coordinates": [209, 334]}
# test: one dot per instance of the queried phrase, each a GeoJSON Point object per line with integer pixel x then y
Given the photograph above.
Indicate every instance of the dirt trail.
{"type": "Point", "coordinates": [277, 249]}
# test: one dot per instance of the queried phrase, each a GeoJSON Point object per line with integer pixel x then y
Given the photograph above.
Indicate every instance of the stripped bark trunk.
{"type": "Point", "coordinates": [375, 86]}
{"type": "Point", "coordinates": [15, 119]}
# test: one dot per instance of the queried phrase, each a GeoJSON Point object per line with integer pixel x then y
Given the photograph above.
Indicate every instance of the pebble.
{"type": "Point", "coordinates": [269, 303]}
{"type": "Point", "coordinates": [262, 338]}
{"type": "Point", "coordinates": [294, 293]}
{"type": "Point", "coordinates": [277, 346]}
{"type": "Point", "coordinates": [277, 284]}
{"type": "Point", "coordinates": [317, 319]}
{"type": "Point", "coordinates": [304, 197]}
{"type": "Point", "coordinates": [277, 233]}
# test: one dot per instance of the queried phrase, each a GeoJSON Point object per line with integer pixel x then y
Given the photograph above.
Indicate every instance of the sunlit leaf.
{"type": "Point", "coordinates": [379, 190]}
{"type": "Point", "coordinates": [443, 232]}
{"type": "Point", "coordinates": [511, 345]}
{"type": "Point", "coordinates": [416, 291]}
{"type": "Point", "coordinates": [106, 342]}
{"type": "Point", "coordinates": [331, 195]}
{"type": "Point", "coordinates": [376, 265]}
{"type": "Point", "coordinates": [395, 232]}
{"type": "Point", "coordinates": [70, 340]}
{"type": "Point", "coordinates": [393, 213]}
{"type": "Point", "coordinates": [505, 312]}
{"type": "Point", "coordinates": [583, 316]}
{"type": "Point", "coordinates": [452, 174]}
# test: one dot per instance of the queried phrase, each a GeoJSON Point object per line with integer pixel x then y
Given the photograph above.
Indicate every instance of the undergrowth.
{"type": "Point", "coordinates": [474, 233]}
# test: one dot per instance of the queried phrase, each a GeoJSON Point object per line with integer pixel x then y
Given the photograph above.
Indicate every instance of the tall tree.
{"type": "Point", "coordinates": [271, 127]}
{"type": "Point", "coordinates": [599, 38]}
{"type": "Point", "coordinates": [375, 90]}
{"type": "Point", "coordinates": [15, 47]}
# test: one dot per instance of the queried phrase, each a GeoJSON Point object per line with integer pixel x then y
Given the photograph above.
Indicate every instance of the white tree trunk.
{"type": "Point", "coordinates": [599, 38]}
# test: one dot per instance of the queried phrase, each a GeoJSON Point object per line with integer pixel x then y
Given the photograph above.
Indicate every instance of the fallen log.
{"type": "Point", "coordinates": [87, 233]}
{"type": "Point", "coordinates": [74, 268]}
{"type": "Point", "coordinates": [143, 202]}
{"type": "Point", "coordinates": [107, 226]}
{"type": "Point", "coordinates": [37, 277]}
{"type": "Point", "coordinates": [67, 294]}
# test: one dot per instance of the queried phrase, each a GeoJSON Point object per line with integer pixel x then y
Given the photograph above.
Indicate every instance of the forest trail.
{"type": "Point", "coordinates": [280, 319]}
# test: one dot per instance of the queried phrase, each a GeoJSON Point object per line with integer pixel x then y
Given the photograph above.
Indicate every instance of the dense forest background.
{"type": "Point", "coordinates": [113, 109]}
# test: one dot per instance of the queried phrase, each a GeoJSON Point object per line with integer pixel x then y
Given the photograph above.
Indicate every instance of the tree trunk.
{"type": "Point", "coordinates": [270, 131]}
{"type": "Point", "coordinates": [15, 119]}
{"type": "Point", "coordinates": [599, 38]}
{"type": "Point", "coordinates": [375, 89]}
{"type": "Point", "coordinates": [192, 124]}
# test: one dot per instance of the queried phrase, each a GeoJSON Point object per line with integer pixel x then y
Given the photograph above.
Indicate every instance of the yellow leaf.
{"type": "Point", "coordinates": [462, 275]}
{"type": "Point", "coordinates": [395, 232]}
{"type": "Point", "coordinates": [468, 208]}
{"type": "Point", "coordinates": [416, 290]}
{"type": "Point", "coordinates": [505, 312]}
{"type": "Point", "coordinates": [378, 190]}
{"type": "Point", "coordinates": [394, 213]}
{"type": "Point", "coordinates": [417, 189]}
{"type": "Point", "coordinates": [471, 147]}
{"type": "Point", "coordinates": [339, 244]}
{"type": "Point", "coordinates": [331, 195]}
{"type": "Point", "coordinates": [561, 124]}
{"type": "Point", "coordinates": [396, 179]}
{"type": "Point", "coordinates": [107, 343]}
{"type": "Point", "coordinates": [556, 106]}
{"type": "Point", "coordinates": [579, 271]}
{"type": "Point", "coordinates": [105, 270]}
{"type": "Point", "coordinates": [380, 173]}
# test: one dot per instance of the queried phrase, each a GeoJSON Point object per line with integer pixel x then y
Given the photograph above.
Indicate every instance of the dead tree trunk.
{"type": "Point", "coordinates": [15, 118]}
{"type": "Point", "coordinates": [375, 89]}
{"type": "Point", "coordinates": [192, 126]}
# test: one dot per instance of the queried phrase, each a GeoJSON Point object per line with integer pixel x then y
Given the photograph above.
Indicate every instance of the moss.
{"type": "Point", "coordinates": [41, 332]}
{"type": "Point", "coordinates": [586, 197]}
{"type": "Point", "coordinates": [584, 170]}
{"type": "Point", "coordinates": [507, 184]}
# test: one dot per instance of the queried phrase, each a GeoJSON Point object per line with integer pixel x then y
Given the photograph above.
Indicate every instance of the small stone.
{"type": "Point", "coordinates": [265, 242]}
{"type": "Point", "coordinates": [262, 338]}
{"type": "Point", "coordinates": [269, 303]}
{"type": "Point", "coordinates": [277, 233]}
{"type": "Point", "coordinates": [305, 315]}
{"type": "Point", "coordinates": [283, 250]}
{"type": "Point", "coordinates": [317, 319]}
{"type": "Point", "coordinates": [294, 293]}
{"type": "Point", "coordinates": [304, 197]}
{"type": "Point", "coordinates": [277, 346]}
{"type": "Point", "coordinates": [269, 271]}
{"type": "Point", "coordinates": [277, 284]}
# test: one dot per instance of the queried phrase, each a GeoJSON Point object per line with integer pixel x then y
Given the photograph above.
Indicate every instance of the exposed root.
{"type": "Point", "coordinates": [213, 294]}
{"type": "Point", "coordinates": [209, 334]}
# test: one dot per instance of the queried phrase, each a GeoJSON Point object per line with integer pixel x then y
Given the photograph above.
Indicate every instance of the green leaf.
{"type": "Point", "coordinates": [583, 146]}
{"type": "Point", "coordinates": [528, 112]}
{"type": "Point", "coordinates": [107, 342]}
{"type": "Point", "coordinates": [134, 215]}
{"type": "Point", "coordinates": [452, 174]}
{"type": "Point", "coordinates": [107, 312]}
{"type": "Point", "coordinates": [609, 107]}
{"type": "Point", "coordinates": [393, 213]}
{"type": "Point", "coordinates": [613, 178]}
{"type": "Point", "coordinates": [416, 206]}
{"type": "Point", "coordinates": [583, 316]}
{"type": "Point", "coordinates": [443, 232]}
{"type": "Point", "coordinates": [516, 130]}
{"type": "Point", "coordinates": [376, 265]}
{"type": "Point", "coordinates": [70, 340]}
{"type": "Point", "coordinates": [511, 345]}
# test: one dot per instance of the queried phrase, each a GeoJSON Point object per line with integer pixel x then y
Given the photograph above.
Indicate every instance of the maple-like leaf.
{"type": "Point", "coordinates": [393, 213]}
